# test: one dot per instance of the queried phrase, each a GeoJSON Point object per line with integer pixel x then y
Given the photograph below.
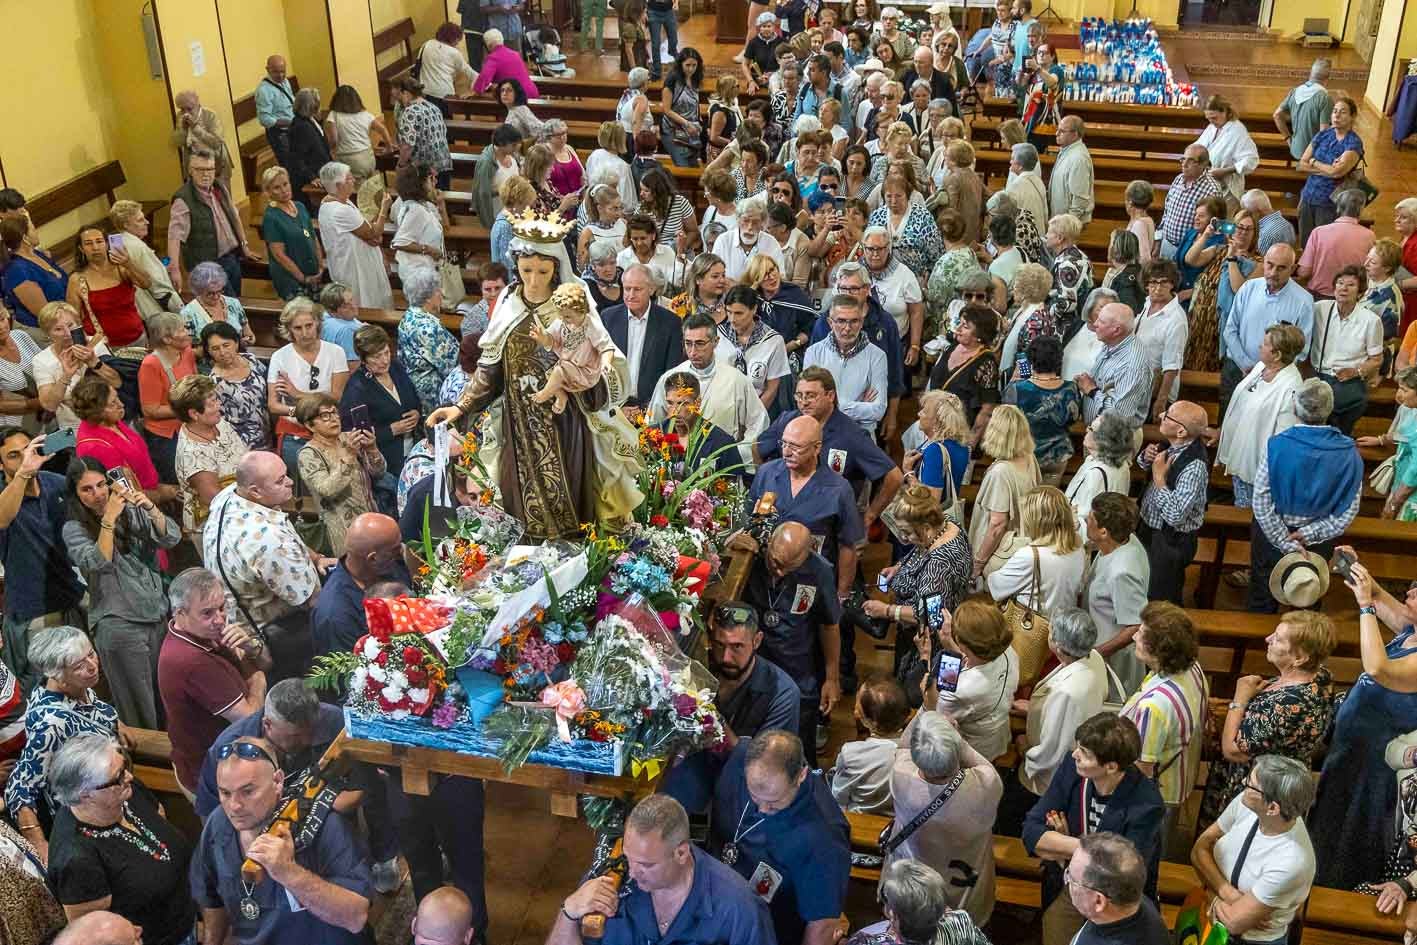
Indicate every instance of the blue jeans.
{"type": "Point", "coordinates": [667, 19]}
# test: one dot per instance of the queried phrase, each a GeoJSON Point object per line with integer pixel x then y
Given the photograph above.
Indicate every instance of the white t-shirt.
{"type": "Point", "coordinates": [329, 362]}
{"type": "Point", "coordinates": [896, 291]}
{"type": "Point", "coordinates": [1081, 353]}
{"type": "Point", "coordinates": [46, 370]}
{"type": "Point", "coordinates": [1162, 336]}
{"type": "Point", "coordinates": [417, 222]}
{"type": "Point", "coordinates": [662, 265]}
{"type": "Point", "coordinates": [981, 701]}
{"type": "Point", "coordinates": [729, 248]}
{"type": "Point", "coordinates": [351, 132]}
{"type": "Point", "coordinates": [1278, 871]}
{"type": "Point", "coordinates": [1059, 578]}
{"type": "Point", "coordinates": [767, 360]}
{"type": "Point", "coordinates": [1005, 265]}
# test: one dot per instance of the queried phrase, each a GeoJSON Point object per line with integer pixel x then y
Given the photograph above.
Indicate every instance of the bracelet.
{"type": "Point", "coordinates": [568, 915]}
{"type": "Point", "coordinates": [1234, 706]}
{"type": "Point", "coordinates": [1368, 609]}
{"type": "Point", "coordinates": [26, 828]}
{"type": "Point", "coordinates": [107, 525]}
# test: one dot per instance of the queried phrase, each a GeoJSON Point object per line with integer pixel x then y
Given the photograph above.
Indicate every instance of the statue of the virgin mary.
{"type": "Point", "coordinates": [555, 471]}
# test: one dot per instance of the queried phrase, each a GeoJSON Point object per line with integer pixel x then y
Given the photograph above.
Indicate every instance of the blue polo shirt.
{"type": "Point", "coordinates": [720, 910]}
{"type": "Point", "coordinates": [847, 449]}
{"type": "Point", "coordinates": [327, 728]}
{"type": "Point", "coordinates": [338, 620]}
{"type": "Point", "coordinates": [805, 601]}
{"type": "Point", "coordinates": [39, 579]}
{"type": "Point", "coordinates": [807, 843]}
{"type": "Point", "coordinates": [1255, 309]}
{"type": "Point", "coordinates": [825, 504]}
{"type": "Point", "coordinates": [337, 856]}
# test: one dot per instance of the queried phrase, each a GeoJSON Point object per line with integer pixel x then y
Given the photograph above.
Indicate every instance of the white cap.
{"type": "Point", "coordinates": [765, 19]}
{"type": "Point", "coordinates": [938, 8]}
{"type": "Point", "coordinates": [871, 65]}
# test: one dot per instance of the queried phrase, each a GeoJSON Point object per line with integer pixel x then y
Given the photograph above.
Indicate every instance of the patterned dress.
{"type": "Point", "coordinates": [1203, 340]}
{"type": "Point", "coordinates": [916, 243]}
{"type": "Point", "coordinates": [1287, 720]}
{"type": "Point", "coordinates": [945, 571]}
{"type": "Point", "coordinates": [1072, 281]}
{"type": "Point", "coordinates": [243, 405]}
{"type": "Point", "coordinates": [950, 270]}
{"type": "Point", "coordinates": [428, 352]}
{"type": "Point", "coordinates": [1050, 413]}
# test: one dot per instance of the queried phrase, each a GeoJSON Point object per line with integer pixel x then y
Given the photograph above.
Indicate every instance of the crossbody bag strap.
{"type": "Point", "coordinates": [221, 569]}
{"type": "Point", "coordinates": [919, 819]}
{"type": "Point", "coordinates": [964, 367]}
{"type": "Point", "coordinates": [1244, 852]}
{"type": "Point", "coordinates": [1036, 592]}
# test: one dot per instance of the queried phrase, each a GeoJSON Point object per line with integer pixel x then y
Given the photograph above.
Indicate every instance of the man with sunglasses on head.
{"type": "Point", "coordinates": [314, 886]}
{"type": "Point", "coordinates": [753, 694]}
{"type": "Point", "coordinates": [1173, 506]}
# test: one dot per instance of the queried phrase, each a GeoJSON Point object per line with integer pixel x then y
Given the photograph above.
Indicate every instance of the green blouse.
{"type": "Point", "coordinates": [298, 236]}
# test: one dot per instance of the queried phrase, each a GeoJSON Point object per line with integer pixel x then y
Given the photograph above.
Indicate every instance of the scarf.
{"type": "Point", "coordinates": [860, 345]}
{"type": "Point", "coordinates": [740, 351]}
{"type": "Point", "coordinates": [1314, 471]}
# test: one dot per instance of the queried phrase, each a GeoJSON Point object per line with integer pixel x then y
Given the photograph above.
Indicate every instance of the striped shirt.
{"type": "Point", "coordinates": [1273, 230]}
{"type": "Point", "coordinates": [679, 210]}
{"type": "Point", "coordinates": [1169, 713]}
{"type": "Point", "coordinates": [1123, 383]}
{"type": "Point", "coordinates": [1181, 201]}
{"type": "Point", "coordinates": [1183, 508]}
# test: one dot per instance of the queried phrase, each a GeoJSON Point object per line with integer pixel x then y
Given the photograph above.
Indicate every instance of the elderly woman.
{"type": "Point", "coordinates": [1026, 236]}
{"type": "Point", "coordinates": [1052, 405]}
{"type": "Point", "coordinates": [951, 268]}
{"type": "Point", "coordinates": [422, 132]}
{"type": "Point", "coordinates": [309, 151]}
{"type": "Point", "coordinates": [1383, 296]}
{"type": "Point", "coordinates": [383, 387]}
{"type": "Point", "coordinates": [568, 174]}
{"type": "Point", "coordinates": [306, 364]}
{"type": "Point", "coordinates": [1106, 465]}
{"type": "Point", "coordinates": [63, 707]}
{"type": "Point", "coordinates": [105, 289]}
{"type": "Point", "coordinates": [210, 303]}
{"type": "Point", "coordinates": [29, 277]}
{"type": "Point", "coordinates": [968, 370]}
{"type": "Point", "coordinates": [443, 65]}
{"type": "Point", "coordinates": [1331, 156]}
{"type": "Point", "coordinates": [979, 699]}
{"type": "Point", "coordinates": [1240, 261]}
{"type": "Point", "coordinates": [750, 345]}
{"type": "Point", "coordinates": [1012, 475]}
{"type": "Point", "coordinates": [420, 216]}
{"type": "Point", "coordinates": [536, 165]}
{"type": "Point", "coordinates": [208, 449]}
{"type": "Point", "coordinates": [18, 349]}
{"type": "Point", "coordinates": [1046, 573]}
{"type": "Point", "coordinates": [602, 275]}
{"type": "Point", "coordinates": [1136, 201]}
{"type": "Point", "coordinates": [114, 536]}
{"type": "Point", "coordinates": [339, 467]}
{"type": "Point", "coordinates": [1097, 787]}
{"type": "Point", "coordinates": [1072, 272]}
{"type": "Point", "coordinates": [58, 369]}
{"type": "Point", "coordinates": [915, 239]}
{"type": "Point", "coordinates": [1286, 715]}
{"type": "Point", "coordinates": [240, 384]}
{"type": "Point", "coordinates": [1260, 889]}
{"type": "Point", "coordinates": [1124, 269]}
{"type": "Point", "coordinates": [941, 462]}
{"type": "Point", "coordinates": [515, 196]}
{"type": "Point", "coordinates": [1032, 287]}
{"type": "Point", "coordinates": [352, 243]}
{"type": "Point", "coordinates": [1081, 351]}
{"type": "Point", "coordinates": [633, 110]}
{"type": "Point", "coordinates": [962, 188]}
{"type": "Point", "coordinates": [915, 902]}
{"type": "Point", "coordinates": [1347, 355]}
{"type": "Point", "coordinates": [1069, 695]}
{"type": "Point", "coordinates": [427, 350]}
{"type": "Point", "coordinates": [1262, 406]}
{"type": "Point", "coordinates": [172, 359]}
{"type": "Point", "coordinates": [297, 258]}
{"type": "Point", "coordinates": [1201, 246]}
{"type": "Point", "coordinates": [112, 849]}
{"type": "Point", "coordinates": [353, 132]}
{"type": "Point", "coordinates": [103, 435]}
{"type": "Point", "coordinates": [1404, 221]}
{"type": "Point", "coordinates": [132, 225]}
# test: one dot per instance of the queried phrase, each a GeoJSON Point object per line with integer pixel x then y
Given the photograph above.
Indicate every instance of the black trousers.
{"type": "Point", "coordinates": [278, 136]}
{"type": "Point", "coordinates": [1350, 400]}
{"type": "Point", "coordinates": [1170, 553]}
{"type": "Point", "coordinates": [1230, 378]}
{"type": "Point", "coordinates": [807, 728]}
{"type": "Point", "coordinates": [1263, 557]}
{"type": "Point", "coordinates": [447, 821]}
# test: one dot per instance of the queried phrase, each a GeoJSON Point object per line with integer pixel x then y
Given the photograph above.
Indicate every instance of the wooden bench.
{"type": "Point", "coordinates": [1270, 145]}
{"type": "Point", "coordinates": [256, 153]}
{"type": "Point", "coordinates": [265, 314]}
{"type": "Point", "coordinates": [1204, 387]}
{"type": "Point", "coordinates": [398, 36]}
{"type": "Point", "coordinates": [995, 164]}
{"type": "Point", "coordinates": [98, 182]}
{"type": "Point", "coordinates": [1139, 116]}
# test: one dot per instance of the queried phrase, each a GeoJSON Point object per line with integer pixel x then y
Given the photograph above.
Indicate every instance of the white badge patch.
{"type": "Point", "coordinates": [817, 542]}
{"type": "Point", "coordinates": [765, 881]}
{"type": "Point", "coordinates": [802, 600]}
{"type": "Point", "coordinates": [836, 459]}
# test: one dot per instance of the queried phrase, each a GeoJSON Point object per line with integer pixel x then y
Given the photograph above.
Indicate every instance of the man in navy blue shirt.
{"type": "Point", "coordinates": [753, 694]}
{"type": "Point", "coordinates": [373, 553]}
{"type": "Point", "coordinates": [774, 821]}
{"type": "Point", "coordinates": [39, 580]}
{"type": "Point", "coordinates": [854, 279]}
{"type": "Point", "coordinates": [676, 893]}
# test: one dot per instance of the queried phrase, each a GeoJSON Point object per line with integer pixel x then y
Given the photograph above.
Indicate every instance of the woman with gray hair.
{"type": "Point", "coordinates": [172, 358]}
{"type": "Point", "coordinates": [427, 350]}
{"type": "Point", "coordinates": [210, 303]}
{"type": "Point", "coordinates": [352, 243]}
{"type": "Point", "coordinates": [917, 911]}
{"type": "Point", "coordinates": [1259, 852]}
{"type": "Point", "coordinates": [1081, 350]}
{"type": "Point", "coordinates": [602, 275]}
{"type": "Point", "coordinates": [961, 831]}
{"type": "Point", "coordinates": [1108, 445]}
{"type": "Point", "coordinates": [633, 109]}
{"type": "Point", "coordinates": [112, 848]}
{"type": "Point", "coordinates": [63, 707]}
{"type": "Point", "coordinates": [309, 151]}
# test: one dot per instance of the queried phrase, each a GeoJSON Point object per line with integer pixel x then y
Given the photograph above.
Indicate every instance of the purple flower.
{"type": "Point", "coordinates": [445, 714]}
{"type": "Point", "coordinates": [685, 704]}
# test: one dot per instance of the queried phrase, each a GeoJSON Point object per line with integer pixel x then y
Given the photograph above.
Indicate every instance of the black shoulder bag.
{"type": "Point", "coordinates": [889, 840]}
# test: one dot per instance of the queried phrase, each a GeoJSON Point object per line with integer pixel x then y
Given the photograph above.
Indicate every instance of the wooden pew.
{"type": "Point", "coordinates": [1146, 140]}
{"type": "Point", "coordinates": [265, 314]}
{"type": "Point", "coordinates": [256, 152]}
{"type": "Point", "coordinates": [98, 182]}
{"type": "Point", "coordinates": [1204, 387]}
{"type": "Point", "coordinates": [398, 36]}
{"type": "Point", "coordinates": [995, 164]}
{"type": "Point", "coordinates": [1139, 116]}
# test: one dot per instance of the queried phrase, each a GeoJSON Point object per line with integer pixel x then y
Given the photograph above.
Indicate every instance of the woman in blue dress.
{"type": "Point", "coordinates": [1357, 793]}
{"type": "Point", "coordinates": [30, 276]}
{"type": "Point", "coordinates": [1051, 404]}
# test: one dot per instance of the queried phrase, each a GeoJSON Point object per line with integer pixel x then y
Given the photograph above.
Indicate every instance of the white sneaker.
{"type": "Point", "coordinates": [386, 875]}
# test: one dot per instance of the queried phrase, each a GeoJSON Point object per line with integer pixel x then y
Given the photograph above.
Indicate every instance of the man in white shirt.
{"type": "Point", "coordinates": [897, 289]}
{"type": "Point", "coordinates": [1070, 189]}
{"type": "Point", "coordinates": [1162, 331]}
{"type": "Point", "coordinates": [857, 366]}
{"type": "Point", "coordinates": [740, 243]}
{"type": "Point", "coordinates": [728, 399]}
{"type": "Point", "coordinates": [871, 98]}
{"type": "Point", "coordinates": [649, 335]}
{"type": "Point", "coordinates": [1026, 185]}
{"type": "Point", "coordinates": [646, 250]}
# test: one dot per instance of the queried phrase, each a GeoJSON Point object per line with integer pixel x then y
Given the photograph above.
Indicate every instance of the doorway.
{"type": "Point", "coordinates": [1229, 13]}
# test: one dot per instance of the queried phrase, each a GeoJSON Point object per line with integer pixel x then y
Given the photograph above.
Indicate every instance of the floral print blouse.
{"type": "Point", "coordinates": [949, 271]}
{"type": "Point", "coordinates": [1051, 414]}
{"type": "Point", "coordinates": [51, 719]}
{"type": "Point", "coordinates": [243, 405]}
{"type": "Point", "coordinates": [1072, 280]}
{"type": "Point", "coordinates": [428, 352]}
{"type": "Point", "coordinates": [917, 242]}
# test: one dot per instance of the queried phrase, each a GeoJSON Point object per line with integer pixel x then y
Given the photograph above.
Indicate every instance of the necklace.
{"type": "Point", "coordinates": [730, 849]}
{"type": "Point", "coordinates": [139, 835]}
{"type": "Point", "coordinates": [250, 909]}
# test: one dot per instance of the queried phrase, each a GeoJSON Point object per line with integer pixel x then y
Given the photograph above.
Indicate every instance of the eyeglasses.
{"type": "Point", "coordinates": [876, 249]}
{"type": "Point", "coordinates": [976, 296]}
{"type": "Point", "coordinates": [796, 448]}
{"type": "Point", "coordinates": [120, 778]}
{"type": "Point", "coordinates": [248, 751]}
{"type": "Point", "coordinates": [1263, 796]}
{"type": "Point", "coordinates": [1069, 881]}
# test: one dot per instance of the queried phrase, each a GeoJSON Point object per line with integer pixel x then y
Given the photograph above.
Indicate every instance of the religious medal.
{"type": "Point", "coordinates": [250, 911]}
{"type": "Point", "coordinates": [771, 620]}
{"type": "Point", "coordinates": [730, 853]}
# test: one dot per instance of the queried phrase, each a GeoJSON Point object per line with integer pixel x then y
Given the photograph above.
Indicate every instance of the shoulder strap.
{"type": "Point", "coordinates": [919, 819]}
{"type": "Point", "coordinates": [279, 88]}
{"type": "Point", "coordinates": [965, 366]}
{"type": "Point", "coordinates": [221, 569]}
{"type": "Point", "coordinates": [1244, 852]}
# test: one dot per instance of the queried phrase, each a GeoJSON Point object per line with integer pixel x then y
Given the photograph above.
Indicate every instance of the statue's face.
{"type": "Point", "coordinates": [536, 273]}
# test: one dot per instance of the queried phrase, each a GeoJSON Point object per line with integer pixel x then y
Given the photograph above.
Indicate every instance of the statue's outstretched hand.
{"type": "Point", "coordinates": [444, 415]}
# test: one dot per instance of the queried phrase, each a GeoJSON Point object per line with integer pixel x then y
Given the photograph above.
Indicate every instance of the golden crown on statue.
{"type": "Point", "coordinates": [540, 228]}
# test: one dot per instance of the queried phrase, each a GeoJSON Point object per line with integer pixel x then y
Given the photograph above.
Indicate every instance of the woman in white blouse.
{"type": "Point", "coordinates": [1062, 700]}
{"type": "Point", "coordinates": [442, 63]}
{"type": "Point", "coordinates": [1107, 468]}
{"type": "Point", "coordinates": [420, 215]}
{"type": "Point", "coordinates": [132, 226]}
{"type": "Point", "coordinates": [1262, 406]}
{"type": "Point", "coordinates": [1054, 552]}
{"type": "Point", "coordinates": [352, 252]}
{"type": "Point", "coordinates": [1232, 151]}
{"type": "Point", "coordinates": [353, 133]}
{"type": "Point", "coordinates": [978, 699]}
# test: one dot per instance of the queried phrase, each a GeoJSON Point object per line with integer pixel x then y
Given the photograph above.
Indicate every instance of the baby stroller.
{"type": "Point", "coordinates": [543, 53]}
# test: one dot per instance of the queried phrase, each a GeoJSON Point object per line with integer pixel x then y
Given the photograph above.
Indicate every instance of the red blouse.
{"type": "Point", "coordinates": [117, 313]}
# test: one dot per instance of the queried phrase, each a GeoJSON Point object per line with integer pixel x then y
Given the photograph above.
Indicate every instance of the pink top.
{"type": "Point", "coordinates": [114, 448]}
{"type": "Point", "coordinates": [503, 63]}
{"type": "Point", "coordinates": [1344, 242]}
{"type": "Point", "coordinates": [568, 177]}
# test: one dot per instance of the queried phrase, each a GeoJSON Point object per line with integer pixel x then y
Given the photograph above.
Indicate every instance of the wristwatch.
{"type": "Point", "coordinates": [1369, 609]}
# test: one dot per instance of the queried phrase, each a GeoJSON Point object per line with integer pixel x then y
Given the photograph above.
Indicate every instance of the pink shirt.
{"type": "Point", "coordinates": [1344, 242]}
{"type": "Point", "coordinates": [115, 448]}
{"type": "Point", "coordinates": [503, 63]}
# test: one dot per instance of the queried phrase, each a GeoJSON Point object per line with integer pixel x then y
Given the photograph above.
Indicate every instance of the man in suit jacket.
{"type": "Point", "coordinates": [650, 335]}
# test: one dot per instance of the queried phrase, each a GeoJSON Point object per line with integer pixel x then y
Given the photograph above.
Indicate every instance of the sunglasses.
{"type": "Point", "coordinates": [314, 376]}
{"type": "Point", "coordinates": [731, 615]}
{"type": "Point", "coordinates": [245, 750]}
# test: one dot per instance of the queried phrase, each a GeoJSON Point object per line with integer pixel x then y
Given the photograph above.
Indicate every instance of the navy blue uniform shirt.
{"type": "Point", "coordinates": [847, 449]}
{"type": "Point", "coordinates": [720, 910]}
{"type": "Point", "coordinates": [804, 601]}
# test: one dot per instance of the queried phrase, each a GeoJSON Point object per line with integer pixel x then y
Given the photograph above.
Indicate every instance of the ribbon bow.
{"type": "Point", "coordinates": [568, 701]}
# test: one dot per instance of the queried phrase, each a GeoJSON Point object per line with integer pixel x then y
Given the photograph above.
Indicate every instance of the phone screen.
{"type": "Point", "coordinates": [116, 478]}
{"type": "Point", "coordinates": [935, 611]}
{"type": "Point", "coordinates": [359, 417]}
{"type": "Point", "coordinates": [1343, 564]}
{"type": "Point", "coordinates": [947, 677]}
{"type": "Point", "coordinates": [76, 335]}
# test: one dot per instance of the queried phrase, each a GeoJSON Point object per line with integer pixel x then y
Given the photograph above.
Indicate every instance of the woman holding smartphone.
{"type": "Point", "coordinates": [975, 675]}
{"type": "Point", "coordinates": [104, 287]}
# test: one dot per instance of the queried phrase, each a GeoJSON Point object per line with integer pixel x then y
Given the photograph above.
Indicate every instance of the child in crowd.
{"type": "Point", "coordinates": [861, 778]}
{"type": "Point", "coordinates": [605, 213]}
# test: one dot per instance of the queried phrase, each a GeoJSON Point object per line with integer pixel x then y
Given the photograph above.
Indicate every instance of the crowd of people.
{"type": "Point", "coordinates": [188, 519]}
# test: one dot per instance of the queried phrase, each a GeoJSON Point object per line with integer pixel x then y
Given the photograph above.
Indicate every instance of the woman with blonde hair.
{"type": "Point", "coordinates": [1054, 551]}
{"type": "Point", "coordinates": [984, 691]}
{"type": "Point", "coordinates": [297, 258]}
{"type": "Point", "coordinates": [1011, 475]}
{"type": "Point", "coordinates": [724, 114]}
{"type": "Point", "coordinates": [132, 225]}
{"type": "Point", "coordinates": [944, 456]}
{"type": "Point", "coordinates": [536, 168]}
{"type": "Point", "coordinates": [1032, 283]}
{"type": "Point", "coordinates": [962, 187]}
{"type": "Point", "coordinates": [515, 195]}
{"type": "Point", "coordinates": [783, 306]}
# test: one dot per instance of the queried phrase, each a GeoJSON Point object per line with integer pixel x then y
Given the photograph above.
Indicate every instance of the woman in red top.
{"type": "Point", "coordinates": [104, 288]}
{"type": "Point", "coordinates": [171, 360]}
{"type": "Point", "coordinates": [1405, 221]}
{"type": "Point", "coordinates": [103, 435]}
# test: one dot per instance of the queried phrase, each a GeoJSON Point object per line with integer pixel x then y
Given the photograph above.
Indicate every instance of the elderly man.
{"type": "Point", "coordinates": [1259, 304]}
{"type": "Point", "coordinates": [275, 107]}
{"type": "Point", "coordinates": [210, 672]}
{"type": "Point", "coordinates": [855, 279]}
{"type": "Point", "coordinates": [775, 823]}
{"type": "Point", "coordinates": [1026, 186]}
{"type": "Point", "coordinates": [100, 928]}
{"type": "Point", "coordinates": [649, 334]}
{"type": "Point", "coordinates": [1105, 880]}
{"type": "Point", "coordinates": [1173, 506]}
{"type": "Point", "coordinates": [923, 69]}
{"type": "Point", "coordinates": [271, 577]}
{"type": "Point", "coordinates": [1120, 380]}
{"type": "Point", "coordinates": [957, 840]}
{"type": "Point", "coordinates": [317, 892]}
{"type": "Point", "coordinates": [858, 366]}
{"type": "Point", "coordinates": [444, 917]}
{"type": "Point", "coordinates": [204, 225]}
{"type": "Point", "coordinates": [1274, 228]}
{"type": "Point", "coordinates": [199, 128]}
{"type": "Point", "coordinates": [41, 587]}
{"type": "Point", "coordinates": [871, 97]}
{"type": "Point", "coordinates": [1306, 494]}
{"type": "Point", "coordinates": [744, 240]}
{"type": "Point", "coordinates": [753, 694]}
{"type": "Point", "coordinates": [373, 554]}
{"type": "Point", "coordinates": [503, 61]}
{"type": "Point", "coordinates": [1070, 187]}
{"type": "Point", "coordinates": [897, 289]}
{"type": "Point", "coordinates": [1305, 110]}
{"type": "Point", "coordinates": [760, 54]}
{"type": "Point", "coordinates": [677, 887]}
{"type": "Point", "coordinates": [1334, 246]}
{"type": "Point", "coordinates": [1192, 186]}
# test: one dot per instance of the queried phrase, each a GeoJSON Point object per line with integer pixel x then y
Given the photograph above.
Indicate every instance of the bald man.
{"type": "Point", "coordinates": [275, 107]}
{"type": "Point", "coordinates": [1173, 508]}
{"type": "Point", "coordinates": [199, 128]}
{"type": "Point", "coordinates": [100, 928]}
{"type": "Point", "coordinates": [373, 553]}
{"type": "Point", "coordinates": [1070, 184]}
{"type": "Point", "coordinates": [1260, 304]}
{"type": "Point", "coordinates": [1192, 186]}
{"type": "Point", "coordinates": [444, 918]}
